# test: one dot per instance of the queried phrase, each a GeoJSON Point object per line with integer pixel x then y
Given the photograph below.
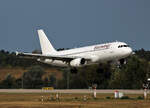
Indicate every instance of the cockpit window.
{"type": "Point", "coordinates": [120, 46]}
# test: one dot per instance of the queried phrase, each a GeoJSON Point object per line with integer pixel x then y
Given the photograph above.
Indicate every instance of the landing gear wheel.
{"type": "Point", "coordinates": [122, 61]}
{"type": "Point", "coordinates": [74, 70]}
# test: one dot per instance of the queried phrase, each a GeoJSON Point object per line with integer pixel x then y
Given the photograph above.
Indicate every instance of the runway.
{"type": "Point", "coordinates": [70, 91]}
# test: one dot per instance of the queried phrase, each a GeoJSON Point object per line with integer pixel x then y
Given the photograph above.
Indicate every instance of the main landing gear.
{"type": "Point", "coordinates": [73, 70]}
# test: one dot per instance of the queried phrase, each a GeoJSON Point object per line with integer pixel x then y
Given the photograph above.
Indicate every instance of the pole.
{"type": "Point", "coordinates": [145, 93]}
{"type": "Point", "coordinates": [94, 92]}
{"type": "Point", "coordinates": [68, 78]}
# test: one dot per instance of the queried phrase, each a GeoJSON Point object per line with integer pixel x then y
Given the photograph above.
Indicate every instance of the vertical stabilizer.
{"type": "Point", "coordinates": [46, 46]}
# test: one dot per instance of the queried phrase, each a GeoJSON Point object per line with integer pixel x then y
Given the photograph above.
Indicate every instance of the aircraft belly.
{"type": "Point", "coordinates": [55, 62]}
{"type": "Point", "coordinates": [106, 55]}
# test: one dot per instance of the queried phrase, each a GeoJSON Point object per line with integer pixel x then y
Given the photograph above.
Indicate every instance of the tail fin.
{"type": "Point", "coordinates": [46, 46]}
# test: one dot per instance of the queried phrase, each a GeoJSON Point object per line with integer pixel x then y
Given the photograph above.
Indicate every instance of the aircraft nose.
{"type": "Point", "coordinates": [129, 51]}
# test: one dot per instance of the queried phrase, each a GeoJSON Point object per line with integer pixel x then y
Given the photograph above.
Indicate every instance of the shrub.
{"type": "Point", "coordinates": [125, 97]}
{"type": "Point", "coordinates": [140, 97]}
{"type": "Point", "coordinates": [108, 97]}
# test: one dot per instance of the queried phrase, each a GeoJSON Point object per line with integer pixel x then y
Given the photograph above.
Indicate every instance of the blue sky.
{"type": "Point", "coordinates": [74, 23]}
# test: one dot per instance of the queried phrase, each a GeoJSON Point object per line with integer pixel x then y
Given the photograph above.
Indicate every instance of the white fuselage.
{"type": "Point", "coordinates": [78, 57]}
{"type": "Point", "coordinates": [96, 53]}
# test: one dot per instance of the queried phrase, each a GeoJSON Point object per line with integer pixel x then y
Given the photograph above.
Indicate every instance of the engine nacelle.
{"type": "Point", "coordinates": [77, 62]}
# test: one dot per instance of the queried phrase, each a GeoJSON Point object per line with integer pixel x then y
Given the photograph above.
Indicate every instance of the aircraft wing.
{"type": "Point", "coordinates": [53, 57]}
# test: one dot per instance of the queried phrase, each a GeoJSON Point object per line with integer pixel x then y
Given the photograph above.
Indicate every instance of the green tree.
{"type": "Point", "coordinates": [130, 76]}
{"type": "Point", "coordinates": [8, 82]}
{"type": "Point", "coordinates": [89, 75]}
{"type": "Point", "coordinates": [33, 77]}
{"type": "Point", "coordinates": [50, 81]}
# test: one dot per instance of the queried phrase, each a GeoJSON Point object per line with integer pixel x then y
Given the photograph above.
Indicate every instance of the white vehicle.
{"type": "Point", "coordinates": [78, 57]}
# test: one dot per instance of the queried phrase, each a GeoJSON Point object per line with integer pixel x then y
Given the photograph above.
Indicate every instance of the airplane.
{"type": "Point", "coordinates": [79, 57]}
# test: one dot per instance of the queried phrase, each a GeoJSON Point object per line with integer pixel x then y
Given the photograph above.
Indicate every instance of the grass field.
{"type": "Point", "coordinates": [33, 100]}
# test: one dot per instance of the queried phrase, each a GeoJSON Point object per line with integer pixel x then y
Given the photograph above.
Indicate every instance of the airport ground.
{"type": "Point", "coordinates": [70, 99]}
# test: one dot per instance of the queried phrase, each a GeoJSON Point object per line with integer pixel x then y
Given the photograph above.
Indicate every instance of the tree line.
{"type": "Point", "coordinates": [107, 76]}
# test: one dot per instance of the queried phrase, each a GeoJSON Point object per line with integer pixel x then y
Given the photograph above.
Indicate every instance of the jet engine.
{"type": "Point", "coordinates": [77, 62]}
